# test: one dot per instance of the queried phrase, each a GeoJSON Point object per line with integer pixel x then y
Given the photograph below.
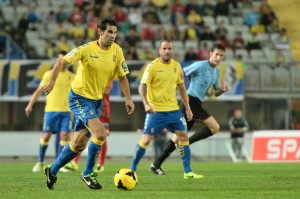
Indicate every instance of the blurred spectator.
{"type": "Point", "coordinates": [61, 15]}
{"type": "Point", "coordinates": [90, 33]}
{"type": "Point", "coordinates": [177, 57]}
{"type": "Point", "coordinates": [193, 5]}
{"type": "Point", "coordinates": [61, 30]}
{"type": "Point", "coordinates": [160, 4]}
{"type": "Point", "coordinates": [150, 15]}
{"type": "Point", "coordinates": [208, 9]}
{"type": "Point", "coordinates": [119, 14]}
{"type": "Point", "coordinates": [132, 39]}
{"type": "Point", "coordinates": [179, 20]}
{"type": "Point", "coordinates": [222, 8]}
{"type": "Point", "coordinates": [135, 17]}
{"type": "Point", "coordinates": [178, 6]}
{"type": "Point", "coordinates": [238, 42]}
{"type": "Point", "coordinates": [258, 28]}
{"type": "Point", "coordinates": [190, 55]}
{"type": "Point", "coordinates": [282, 45]}
{"type": "Point", "coordinates": [147, 53]}
{"type": "Point", "coordinates": [194, 17]}
{"type": "Point", "coordinates": [282, 41]}
{"type": "Point", "coordinates": [32, 18]}
{"type": "Point", "coordinates": [238, 126]}
{"type": "Point", "coordinates": [91, 19]}
{"type": "Point", "coordinates": [77, 31]}
{"type": "Point", "coordinates": [50, 18]}
{"type": "Point", "coordinates": [252, 16]}
{"type": "Point", "coordinates": [76, 16]}
{"type": "Point", "coordinates": [63, 45]}
{"type": "Point", "coordinates": [78, 41]}
{"type": "Point", "coordinates": [148, 33]}
{"type": "Point", "coordinates": [264, 7]}
{"type": "Point", "coordinates": [253, 43]}
{"type": "Point", "coordinates": [204, 52]}
{"type": "Point", "coordinates": [267, 18]}
{"type": "Point", "coordinates": [221, 30]}
{"type": "Point", "coordinates": [23, 25]}
{"type": "Point", "coordinates": [224, 41]}
{"type": "Point", "coordinates": [105, 11]}
{"type": "Point", "coordinates": [208, 34]}
{"type": "Point", "coordinates": [131, 53]}
{"type": "Point", "coordinates": [50, 51]}
{"type": "Point", "coordinates": [131, 4]}
{"type": "Point", "coordinates": [192, 32]}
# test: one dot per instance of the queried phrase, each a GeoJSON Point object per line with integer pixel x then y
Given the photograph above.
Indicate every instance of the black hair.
{"type": "Point", "coordinates": [63, 52]}
{"type": "Point", "coordinates": [102, 23]}
{"type": "Point", "coordinates": [217, 46]}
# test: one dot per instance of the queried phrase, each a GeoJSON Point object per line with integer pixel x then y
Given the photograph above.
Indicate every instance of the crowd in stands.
{"type": "Point", "coordinates": [144, 22]}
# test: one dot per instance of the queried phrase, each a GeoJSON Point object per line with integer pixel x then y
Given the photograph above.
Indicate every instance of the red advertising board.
{"type": "Point", "coordinates": [276, 146]}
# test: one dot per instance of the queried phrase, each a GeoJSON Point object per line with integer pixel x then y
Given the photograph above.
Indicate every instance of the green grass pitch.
{"type": "Point", "coordinates": [222, 180]}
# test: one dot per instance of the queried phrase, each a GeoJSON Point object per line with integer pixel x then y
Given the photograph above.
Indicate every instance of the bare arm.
{"type": "Point", "coordinates": [184, 98]}
{"type": "Point", "coordinates": [124, 85]}
{"type": "Point", "coordinates": [35, 96]}
{"type": "Point", "coordinates": [143, 94]}
{"type": "Point", "coordinates": [59, 65]}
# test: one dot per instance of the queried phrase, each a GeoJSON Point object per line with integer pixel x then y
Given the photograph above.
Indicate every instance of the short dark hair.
{"type": "Point", "coordinates": [165, 40]}
{"type": "Point", "coordinates": [217, 46]}
{"type": "Point", "coordinates": [63, 52]}
{"type": "Point", "coordinates": [106, 20]}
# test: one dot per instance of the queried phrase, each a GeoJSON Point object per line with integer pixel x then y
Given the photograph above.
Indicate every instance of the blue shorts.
{"type": "Point", "coordinates": [55, 122]}
{"type": "Point", "coordinates": [83, 109]}
{"type": "Point", "coordinates": [156, 122]}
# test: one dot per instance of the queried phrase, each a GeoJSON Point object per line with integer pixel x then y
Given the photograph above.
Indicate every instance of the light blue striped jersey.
{"type": "Point", "coordinates": [202, 75]}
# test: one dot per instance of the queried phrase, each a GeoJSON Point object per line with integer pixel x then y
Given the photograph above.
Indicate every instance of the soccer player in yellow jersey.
{"type": "Point", "coordinates": [158, 91]}
{"type": "Point", "coordinates": [57, 117]}
{"type": "Point", "coordinates": [98, 63]}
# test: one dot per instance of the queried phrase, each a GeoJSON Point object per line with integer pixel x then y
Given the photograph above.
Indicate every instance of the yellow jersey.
{"type": "Point", "coordinates": [96, 68]}
{"type": "Point", "coordinates": [162, 80]}
{"type": "Point", "coordinates": [57, 100]}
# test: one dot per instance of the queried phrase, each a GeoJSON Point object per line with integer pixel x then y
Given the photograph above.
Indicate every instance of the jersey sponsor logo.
{"type": "Point", "coordinates": [93, 56]}
{"type": "Point", "coordinates": [71, 54]}
{"type": "Point", "coordinates": [124, 66]}
{"type": "Point", "coordinates": [114, 58]}
{"type": "Point", "coordinates": [92, 112]}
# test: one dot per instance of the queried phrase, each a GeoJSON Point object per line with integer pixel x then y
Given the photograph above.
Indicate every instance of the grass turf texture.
{"type": "Point", "coordinates": [222, 180]}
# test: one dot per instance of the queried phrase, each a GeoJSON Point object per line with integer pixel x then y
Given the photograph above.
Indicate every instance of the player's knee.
{"type": "Point", "coordinates": [146, 140]}
{"type": "Point", "coordinates": [78, 146]}
{"type": "Point", "coordinates": [100, 136]}
{"type": "Point", "coordinates": [215, 129]}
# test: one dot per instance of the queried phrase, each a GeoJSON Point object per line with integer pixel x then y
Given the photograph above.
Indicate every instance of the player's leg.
{"type": "Point", "coordinates": [185, 154]}
{"type": "Point", "coordinates": [154, 124]}
{"type": "Point", "coordinates": [64, 139]}
{"type": "Point", "coordinates": [100, 166]}
{"type": "Point", "coordinates": [140, 150]}
{"type": "Point", "coordinates": [211, 128]}
{"type": "Point", "coordinates": [42, 151]}
{"type": "Point", "coordinates": [77, 144]}
{"type": "Point", "coordinates": [101, 160]}
{"type": "Point", "coordinates": [170, 145]}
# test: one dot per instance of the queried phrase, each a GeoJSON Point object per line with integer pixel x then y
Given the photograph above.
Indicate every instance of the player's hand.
{"type": "Point", "coordinates": [129, 106]}
{"type": "Point", "coordinates": [48, 87]}
{"type": "Point", "coordinates": [148, 108]}
{"type": "Point", "coordinates": [28, 110]}
{"type": "Point", "coordinates": [107, 133]}
{"type": "Point", "coordinates": [224, 87]}
{"type": "Point", "coordinates": [189, 114]}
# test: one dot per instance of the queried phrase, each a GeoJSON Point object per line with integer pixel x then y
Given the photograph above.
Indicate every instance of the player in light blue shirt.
{"type": "Point", "coordinates": [203, 75]}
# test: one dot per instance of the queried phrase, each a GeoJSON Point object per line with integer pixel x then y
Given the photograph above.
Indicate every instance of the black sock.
{"type": "Point", "coordinates": [168, 149]}
{"type": "Point", "coordinates": [200, 134]}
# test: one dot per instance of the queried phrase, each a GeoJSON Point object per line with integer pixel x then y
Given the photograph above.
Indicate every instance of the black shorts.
{"type": "Point", "coordinates": [199, 113]}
